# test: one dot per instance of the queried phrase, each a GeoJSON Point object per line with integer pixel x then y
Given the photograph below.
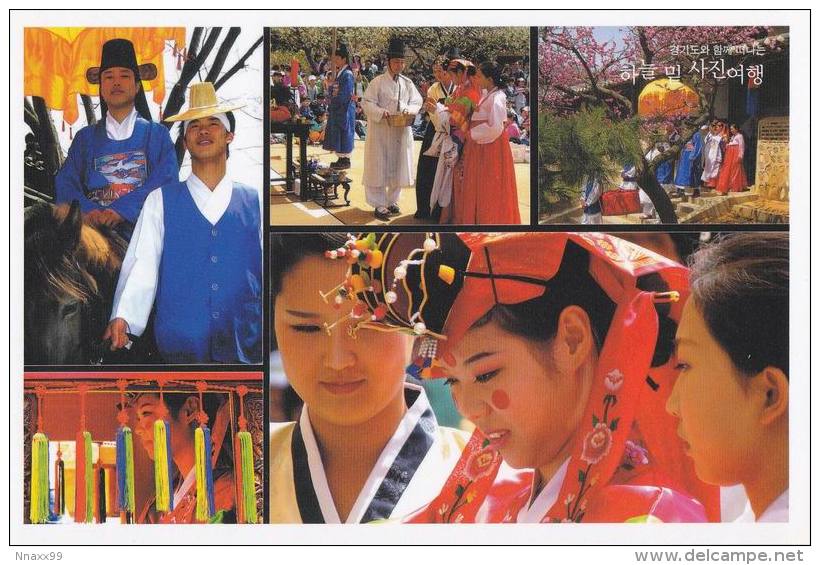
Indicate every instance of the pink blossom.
{"type": "Point", "coordinates": [597, 443]}
{"type": "Point", "coordinates": [635, 454]}
{"type": "Point", "coordinates": [614, 380]}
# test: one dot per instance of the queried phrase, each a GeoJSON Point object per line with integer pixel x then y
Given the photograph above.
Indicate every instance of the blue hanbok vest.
{"type": "Point", "coordinates": [209, 296]}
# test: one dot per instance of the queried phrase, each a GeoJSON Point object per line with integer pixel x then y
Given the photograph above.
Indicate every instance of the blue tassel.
{"type": "Point", "coordinates": [169, 462]}
{"type": "Point", "coordinates": [209, 470]}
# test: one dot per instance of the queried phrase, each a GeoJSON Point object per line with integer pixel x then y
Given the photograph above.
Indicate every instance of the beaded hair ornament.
{"type": "Point", "coordinates": [390, 279]}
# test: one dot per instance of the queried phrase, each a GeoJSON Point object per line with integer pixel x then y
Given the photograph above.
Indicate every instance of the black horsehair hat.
{"type": "Point", "coordinates": [120, 53]}
{"type": "Point", "coordinates": [342, 51]}
{"type": "Point", "coordinates": [395, 50]}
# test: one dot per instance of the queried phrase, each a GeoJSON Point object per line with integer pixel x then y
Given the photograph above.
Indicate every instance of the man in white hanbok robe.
{"type": "Point", "coordinates": [388, 150]}
{"type": "Point", "coordinates": [410, 472]}
{"type": "Point", "coordinates": [712, 157]}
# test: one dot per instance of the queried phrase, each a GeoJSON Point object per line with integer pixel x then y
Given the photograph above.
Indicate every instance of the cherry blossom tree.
{"type": "Point", "coordinates": [581, 71]}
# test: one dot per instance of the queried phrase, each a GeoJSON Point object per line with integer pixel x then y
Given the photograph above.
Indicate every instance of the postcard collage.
{"type": "Point", "coordinates": [408, 274]}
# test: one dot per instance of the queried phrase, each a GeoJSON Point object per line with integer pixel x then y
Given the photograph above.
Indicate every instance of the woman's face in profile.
{"type": "Point", "coordinates": [717, 416]}
{"type": "Point", "coordinates": [148, 409]}
{"type": "Point", "coordinates": [344, 380]}
{"type": "Point", "coordinates": [510, 388]}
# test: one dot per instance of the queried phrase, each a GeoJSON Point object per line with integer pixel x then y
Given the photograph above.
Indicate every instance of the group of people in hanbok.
{"type": "Point", "coordinates": [465, 172]}
{"type": "Point", "coordinates": [711, 159]}
{"type": "Point", "coordinates": [606, 382]}
{"type": "Point", "coordinates": [465, 169]}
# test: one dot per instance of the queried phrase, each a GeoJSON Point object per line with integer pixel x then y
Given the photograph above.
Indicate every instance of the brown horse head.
{"type": "Point", "coordinates": [71, 271]}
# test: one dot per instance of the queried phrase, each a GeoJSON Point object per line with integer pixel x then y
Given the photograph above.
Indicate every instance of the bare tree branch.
{"type": "Point", "coordinates": [239, 64]}
{"type": "Point", "coordinates": [222, 54]}
{"type": "Point", "coordinates": [30, 116]}
{"type": "Point", "coordinates": [88, 106]}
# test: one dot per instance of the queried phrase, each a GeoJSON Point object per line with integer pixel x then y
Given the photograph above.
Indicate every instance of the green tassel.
{"type": "Point", "coordinates": [162, 469]}
{"type": "Point", "coordinates": [248, 478]}
{"type": "Point", "coordinates": [202, 507]}
{"type": "Point", "coordinates": [84, 489]}
{"type": "Point", "coordinates": [129, 477]}
{"type": "Point", "coordinates": [39, 510]}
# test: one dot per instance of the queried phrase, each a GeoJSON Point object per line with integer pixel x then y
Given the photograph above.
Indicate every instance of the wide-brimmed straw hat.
{"type": "Point", "coordinates": [203, 103]}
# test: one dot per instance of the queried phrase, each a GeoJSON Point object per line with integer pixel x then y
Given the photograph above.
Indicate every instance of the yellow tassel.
{"type": "Point", "coordinates": [248, 490]}
{"type": "Point", "coordinates": [162, 470]}
{"type": "Point", "coordinates": [202, 508]}
{"type": "Point", "coordinates": [39, 510]}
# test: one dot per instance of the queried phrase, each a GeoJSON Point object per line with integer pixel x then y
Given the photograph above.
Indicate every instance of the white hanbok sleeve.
{"type": "Point", "coordinates": [741, 146]}
{"type": "Point", "coordinates": [414, 99]}
{"type": "Point", "coordinates": [137, 285]}
{"type": "Point", "coordinates": [492, 128]}
{"type": "Point", "coordinates": [594, 194]}
{"type": "Point", "coordinates": [370, 102]}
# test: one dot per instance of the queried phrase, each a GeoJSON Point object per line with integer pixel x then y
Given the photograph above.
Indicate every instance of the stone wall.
{"type": "Point", "coordinates": [772, 179]}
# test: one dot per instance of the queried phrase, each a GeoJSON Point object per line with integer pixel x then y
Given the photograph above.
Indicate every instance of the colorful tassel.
{"type": "Point", "coordinates": [84, 484]}
{"type": "Point", "coordinates": [102, 506]}
{"type": "Point", "coordinates": [204, 474]}
{"type": "Point", "coordinates": [162, 466]}
{"type": "Point", "coordinates": [39, 511]}
{"type": "Point", "coordinates": [248, 489]}
{"type": "Point", "coordinates": [125, 470]}
{"type": "Point", "coordinates": [59, 483]}
{"type": "Point", "coordinates": [243, 466]}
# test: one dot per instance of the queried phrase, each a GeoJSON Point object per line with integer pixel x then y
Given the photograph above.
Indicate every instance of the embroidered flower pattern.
{"type": "Point", "coordinates": [634, 454]}
{"type": "Point", "coordinates": [480, 464]}
{"type": "Point", "coordinates": [613, 380]}
{"type": "Point", "coordinates": [597, 443]}
{"type": "Point", "coordinates": [596, 446]}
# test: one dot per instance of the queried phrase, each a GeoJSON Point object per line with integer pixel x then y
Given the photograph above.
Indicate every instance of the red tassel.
{"type": "Point", "coordinates": [63, 125]}
{"type": "Point", "coordinates": [70, 132]}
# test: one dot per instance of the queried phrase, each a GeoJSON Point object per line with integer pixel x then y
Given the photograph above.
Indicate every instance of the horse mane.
{"type": "Point", "coordinates": [55, 271]}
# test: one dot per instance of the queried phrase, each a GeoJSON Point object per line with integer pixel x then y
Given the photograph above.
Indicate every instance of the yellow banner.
{"type": "Point", "coordinates": [56, 59]}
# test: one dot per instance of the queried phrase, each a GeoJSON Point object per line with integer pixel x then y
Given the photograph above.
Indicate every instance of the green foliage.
{"type": "Point", "coordinates": [423, 43]}
{"type": "Point", "coordinates": [587, 143]}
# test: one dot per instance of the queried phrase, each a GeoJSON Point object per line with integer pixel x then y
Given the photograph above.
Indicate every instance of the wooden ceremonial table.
{"type": "Point", "coordinates": [290, 129]}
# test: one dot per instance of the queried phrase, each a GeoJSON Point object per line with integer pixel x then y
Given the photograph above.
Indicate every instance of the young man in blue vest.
{"type": "Point", "coordinates": [196, 254]}
{"type": "Point", "coordinates": [113, 165]}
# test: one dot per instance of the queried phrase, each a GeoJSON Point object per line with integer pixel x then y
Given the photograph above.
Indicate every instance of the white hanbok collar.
{"type": "Point", "coordinates": [485, 94]}
{"type": "Point", "coordinates": [388, 480]}
{"type": "Point", "coordinates": [536, 508]}
{"type": "Point", "coordinates": [778, 511]}
{"type": "Point", "coordinates": [211, 203]}
{"type": "Point", "coordinates": [187, 485]}
{"type": "Point", "coordinates": [119, 131]}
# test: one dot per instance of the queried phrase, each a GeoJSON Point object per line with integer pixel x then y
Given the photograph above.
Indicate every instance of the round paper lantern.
{"type": "Point", "coordinates": [667, 98]}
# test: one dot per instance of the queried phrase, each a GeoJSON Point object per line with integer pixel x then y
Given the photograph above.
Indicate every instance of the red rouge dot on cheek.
{"type": "Point", "coordinates": [500, 399]}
